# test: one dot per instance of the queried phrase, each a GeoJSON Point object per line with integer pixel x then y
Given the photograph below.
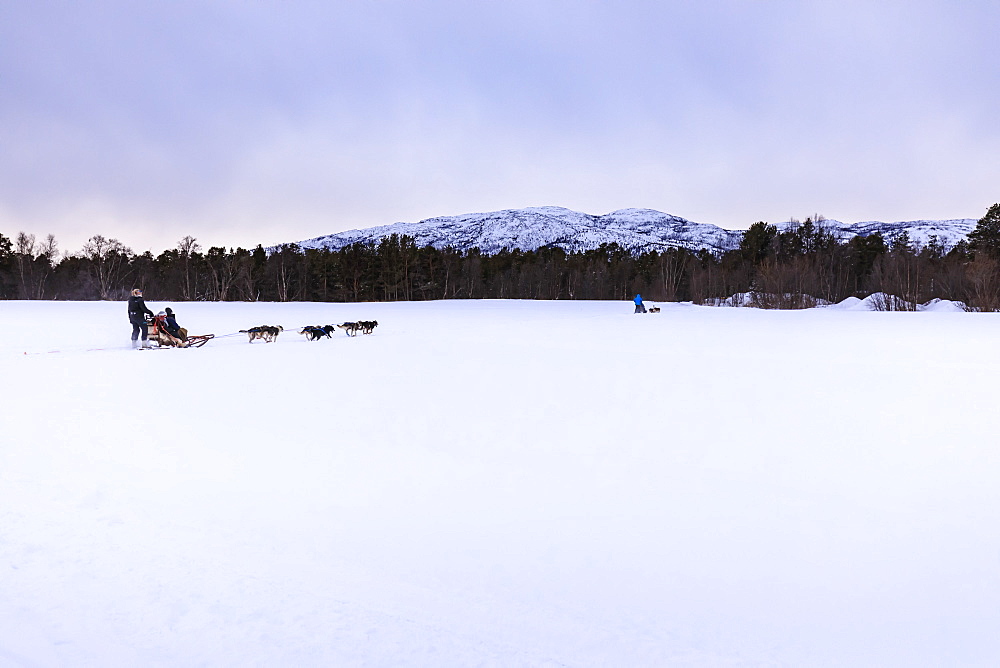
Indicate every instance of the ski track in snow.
{"type": "Point", "coordinates": [501, 483]}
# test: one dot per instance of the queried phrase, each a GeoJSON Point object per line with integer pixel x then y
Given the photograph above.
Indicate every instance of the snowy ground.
{"type": "Point", "coordinates": [501, 484]}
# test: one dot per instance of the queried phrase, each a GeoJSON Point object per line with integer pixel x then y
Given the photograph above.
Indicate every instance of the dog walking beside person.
{"type": "Point", "coordinates": [639, 308]}
{"type": "Point", "coordinates": [137, 311]}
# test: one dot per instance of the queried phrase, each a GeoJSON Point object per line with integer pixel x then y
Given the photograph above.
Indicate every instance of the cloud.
{"type": "Point", "coordinates": [245, 123]}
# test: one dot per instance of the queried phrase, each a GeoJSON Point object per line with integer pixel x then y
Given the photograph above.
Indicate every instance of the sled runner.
{"type": "Point", "coordinates": [198, 341]}
{"type": "Point", "coordinates": [164, 339]}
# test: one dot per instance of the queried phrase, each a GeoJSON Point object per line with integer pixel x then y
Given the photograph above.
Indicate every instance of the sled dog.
{"type": "Point", "coordinates": [315, 333]}
{"type": "Point", "coordinates": [350, 328]}
{"type": "Point", "coordinates": [271, 332]}
{"type": "Point", "coordinates": [266, 333]}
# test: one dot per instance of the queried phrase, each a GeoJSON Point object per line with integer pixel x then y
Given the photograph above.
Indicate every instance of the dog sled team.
{"type": "Point", "coordinates": [269, 333]}
{"type": "Point", "coordinates": [162, 328]}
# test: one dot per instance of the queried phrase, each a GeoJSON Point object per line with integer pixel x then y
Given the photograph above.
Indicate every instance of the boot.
{"type": "Point", "coordinates": [146, 343]}
{"type": "Point", "coordinates": [135, 344]}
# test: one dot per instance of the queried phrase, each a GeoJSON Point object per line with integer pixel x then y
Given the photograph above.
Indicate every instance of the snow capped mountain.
{"type": "Point", "coordinates": [538, 227]}
{"type": "Point", "coordinates": [634, 229]}
{"type": "Point", "coordinates": [947, 232]}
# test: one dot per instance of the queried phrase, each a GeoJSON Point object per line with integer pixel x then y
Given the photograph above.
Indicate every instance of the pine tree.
{"type": "Point", "coordinates": [756, 242]}
{"type": "Point", "coordinates": [986, 237]}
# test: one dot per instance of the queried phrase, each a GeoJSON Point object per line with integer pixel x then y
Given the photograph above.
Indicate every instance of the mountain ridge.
{"type": "Point", "coordinates": [634, 229]}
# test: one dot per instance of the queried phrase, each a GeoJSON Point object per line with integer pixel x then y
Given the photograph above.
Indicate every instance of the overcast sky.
{"type": "Point", "coordinates": [255, 121]}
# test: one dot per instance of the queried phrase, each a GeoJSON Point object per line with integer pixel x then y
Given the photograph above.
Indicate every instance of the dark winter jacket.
{"type": "Point", "coordinates": [137, 310]}
{"type": "Point", "coordinates": [172, 325]}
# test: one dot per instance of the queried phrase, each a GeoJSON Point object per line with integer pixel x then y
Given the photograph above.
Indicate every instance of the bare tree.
{"type": "Point", "coordinates": [24, 254]}
{"type": "Point", "coordinates": [898, 275]}
{"type": "Point", "coordinates": [34, 261]}
{"type": "Point", "coordinates": [187, 247]}
{"type": "Point", "coordinates": [673, 267]}
{"type": "Point", "coordinates": [983, 275]}
{"type": "Point", "coordinates": [49, 248]}
{"type": "Point", "coordinates": [109, 258]}
{"type": "Point", "coordinates": [224, 271]}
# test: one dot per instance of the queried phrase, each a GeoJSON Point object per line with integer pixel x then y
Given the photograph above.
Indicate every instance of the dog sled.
{"type": "Point", "coordinates": [158, 333]}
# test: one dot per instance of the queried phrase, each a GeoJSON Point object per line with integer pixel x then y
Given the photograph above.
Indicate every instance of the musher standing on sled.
{"type": "Point", "coordinates": [639, 308]}
{"type": "Point", "coordinates": [137, 311]}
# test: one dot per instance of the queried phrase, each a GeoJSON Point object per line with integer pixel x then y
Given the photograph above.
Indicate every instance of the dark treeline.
{"type": "Point", "coordinates": [788, 268]}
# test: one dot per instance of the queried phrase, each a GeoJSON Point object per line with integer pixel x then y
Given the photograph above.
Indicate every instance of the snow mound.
{"type": "Point", "coordinates": [879, 301]}
{"type": "Point", "coordinates": [943, 306]}
{"type": "Point", "coordinates": [851, 304]}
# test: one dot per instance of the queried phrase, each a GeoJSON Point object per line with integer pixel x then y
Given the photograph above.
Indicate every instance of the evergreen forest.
{"type": "Point", "coordinates": [773, 267]}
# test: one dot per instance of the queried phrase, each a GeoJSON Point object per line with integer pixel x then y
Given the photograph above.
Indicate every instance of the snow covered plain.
{"type": "Point", "coordinates": [501, 483]}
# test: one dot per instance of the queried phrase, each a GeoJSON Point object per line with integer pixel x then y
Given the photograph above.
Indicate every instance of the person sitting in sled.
{"type": "Point", "coordinates": [639, 308]}
{"type": "Point", "coordinates": [172, 327]}
{"type": "Point", "coordinates": [166, 337]}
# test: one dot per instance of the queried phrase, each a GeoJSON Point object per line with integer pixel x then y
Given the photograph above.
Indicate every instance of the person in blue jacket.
{"type": "Point", "coordinates": [639, 308]}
